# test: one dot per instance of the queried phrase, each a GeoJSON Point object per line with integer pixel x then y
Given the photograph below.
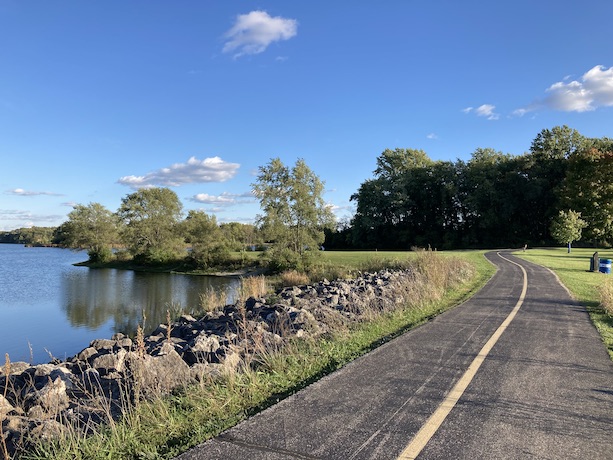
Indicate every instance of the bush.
{"type": "Point", "coordinates": [205, 256]}
{"type": "Point", "coordinates": [100, 254]}
{"type": "Point", "coordinates": [282, 259]}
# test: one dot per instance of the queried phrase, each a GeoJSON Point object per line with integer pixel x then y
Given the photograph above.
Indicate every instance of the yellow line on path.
{"type": "Point", "coordinates": [436, 419]}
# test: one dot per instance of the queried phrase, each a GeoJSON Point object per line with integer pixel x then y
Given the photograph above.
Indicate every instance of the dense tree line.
{"type": "Point", "coordinates": [32, 236]}
{"type": "Point", "coordinates": [492, 200]}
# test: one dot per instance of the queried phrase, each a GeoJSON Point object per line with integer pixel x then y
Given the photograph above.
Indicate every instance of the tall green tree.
{"type": "Point", "coordinates": [392, 164]}
{"type": "Point", "coordinates": [588, 188]}
{"type": "Point", "coordinates": [151, 218]}
{"type": "Point", "coordinates": [208, 243]}
{"type": "Point", "coordinates": [388, 209]}
{"type": "Point", "coordinates": [239, 236]}
{"type": "Point", "coordinates": [497, 197]}
{"type": "Point", "coordinates": [295, 213]}
{"type": "Point", "coordinates": [93, 227]}
{"type": "Point", "coordinates": [548, 158]}
{"type": "Point", "coordinates": [566, 227]}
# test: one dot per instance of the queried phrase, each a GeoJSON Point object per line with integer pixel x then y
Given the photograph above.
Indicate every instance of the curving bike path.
{"type": "Point", "coordinates": [518, 371]}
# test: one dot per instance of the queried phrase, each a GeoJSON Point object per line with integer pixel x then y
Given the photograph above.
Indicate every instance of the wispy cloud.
{"type": "Point", "coordinates": [485, 110]}
{"type": "Point", "coordinates": [225, 199]}
{"type": "Point", "coordinates": [594, 90]}
{"type": "Point", "coordinates": [194, 171]}
{"type": "Point", "coordinates": [432, 136]}
{"type": "Point", "coordinates": [253, 32]}
{"type": "Point", "coordinates": [242, 220]}
{"type": "Point", "coordinates": [22, 192]}
{"type": "Point", "coordinates": [336, 209]}
{"type": "Point", "coordinates": [26, 218]}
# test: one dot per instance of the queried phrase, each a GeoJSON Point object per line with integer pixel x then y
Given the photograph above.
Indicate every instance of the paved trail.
{"type": "Point", "coordinates": [516, 372]}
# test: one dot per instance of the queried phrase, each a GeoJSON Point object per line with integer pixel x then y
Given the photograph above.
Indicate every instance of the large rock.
{"type": "Point", "coordinates": [160, 373]}
{"type": "Point", "coordinates": [110, 362]}
{"type": "Point", "coordinates": [51, 399]}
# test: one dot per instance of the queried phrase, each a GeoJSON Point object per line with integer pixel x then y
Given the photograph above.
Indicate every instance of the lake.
{"type": "Point", "coordinates": [49, 307]}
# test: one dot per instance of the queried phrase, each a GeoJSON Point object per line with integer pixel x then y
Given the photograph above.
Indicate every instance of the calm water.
{"type": "Point", "coordinates": [50, 305]}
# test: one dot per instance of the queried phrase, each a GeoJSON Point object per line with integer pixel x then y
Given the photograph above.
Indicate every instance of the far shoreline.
{"type": "Point", "coordinates": [178, 268]}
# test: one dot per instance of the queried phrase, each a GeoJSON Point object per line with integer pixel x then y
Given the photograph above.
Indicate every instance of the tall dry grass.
{"type": "Point", "coordinates": [212, 299]}
{"type": "Point", "coordinates": [605, 291]}
{"type": "Point", "coordinates": [253, 286]}
{"type": "Point", "coordinates": [294, 278]}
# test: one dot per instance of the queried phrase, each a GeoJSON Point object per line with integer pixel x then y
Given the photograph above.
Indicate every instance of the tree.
{"type": "Point", "coordinates": [392, 164]}
{"type": "Point", "coordinates": [558, 143]}
{"type": "Point", "coordinates": [239, 236]}
{"type": "Point", "coordinates": [295, 213]}
{"type": "Point", "coordinates": [411, 201]}
{"type": "Point", "coordinates": [386, 214]}
{"type": "Point", "coordinates": [566, 227]}
{"type": "Point", "coordinates": [151, 217]}
{"type": "Point", "coordinates": [497, 197]}
{"type": "Point", "coordinates": [588, 188]}
{"type": "Point", "coordinates": [208, 244]}
{"type": "Point", "coordinates": [549, 154]}
{"type": "Point", "coordinates": [93, 227]}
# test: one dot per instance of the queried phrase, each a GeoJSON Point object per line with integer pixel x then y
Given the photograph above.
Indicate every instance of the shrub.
{"type": "Point", "coordinates": [282, 259]}
{"type": "Point", "coordinates": [100, 254]}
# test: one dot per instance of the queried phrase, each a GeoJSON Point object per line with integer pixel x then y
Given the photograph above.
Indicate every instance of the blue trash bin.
{"type": "Point", "coordinates": [605, 266]}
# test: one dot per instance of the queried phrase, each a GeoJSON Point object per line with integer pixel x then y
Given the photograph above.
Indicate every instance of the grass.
{"type": "Point", "coordinates": [589, 288]}
{"type": "Point", "coordinates": [168, 425]}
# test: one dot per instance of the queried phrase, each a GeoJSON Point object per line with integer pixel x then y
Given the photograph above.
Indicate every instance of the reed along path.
{"type": "Point", "coordinates": [518, 371]}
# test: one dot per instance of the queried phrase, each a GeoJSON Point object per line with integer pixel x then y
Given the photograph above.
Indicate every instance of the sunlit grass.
{"type": "Point", "coordinates": [586, 286]}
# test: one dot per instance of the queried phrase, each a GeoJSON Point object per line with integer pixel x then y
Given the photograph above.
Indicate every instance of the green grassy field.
{"type": "Point", "coordinates": [369, 260]}
{"type": "Point", "coordinates": [573, 271]}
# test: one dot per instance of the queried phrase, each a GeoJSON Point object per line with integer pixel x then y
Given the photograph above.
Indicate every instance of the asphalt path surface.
{"type": "Point", "coordinates": [544, 390]}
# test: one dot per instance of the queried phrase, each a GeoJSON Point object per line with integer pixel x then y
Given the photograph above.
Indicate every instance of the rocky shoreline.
{"type": "Point", "coordinates": [85, 390]}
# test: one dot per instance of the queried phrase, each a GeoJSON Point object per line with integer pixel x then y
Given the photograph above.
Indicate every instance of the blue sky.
{"type": "Point", "coordinates": [98, 98]}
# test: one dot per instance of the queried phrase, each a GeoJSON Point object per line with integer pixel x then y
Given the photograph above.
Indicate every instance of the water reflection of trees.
{"type": "Point", "coordinates": [94, 297]}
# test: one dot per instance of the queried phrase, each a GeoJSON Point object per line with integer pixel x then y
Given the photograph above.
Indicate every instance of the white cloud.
{"type": "Point", "coordinates": [432, 136]}
{"type": "Point", "coordinates": [22, 192]}
{"type": "Point", "coordinates": [255, 31]}
{"type": "Point", "coordinates": [485, 110]}
{"type": "Point", "coordinates": [194, 171]}
{"type": "Point", "coordinates": [225, 199]}
{"type": "Point", "coordinates": [593, 91]}
{"type": "Point", "coordinates": [336, 209]}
